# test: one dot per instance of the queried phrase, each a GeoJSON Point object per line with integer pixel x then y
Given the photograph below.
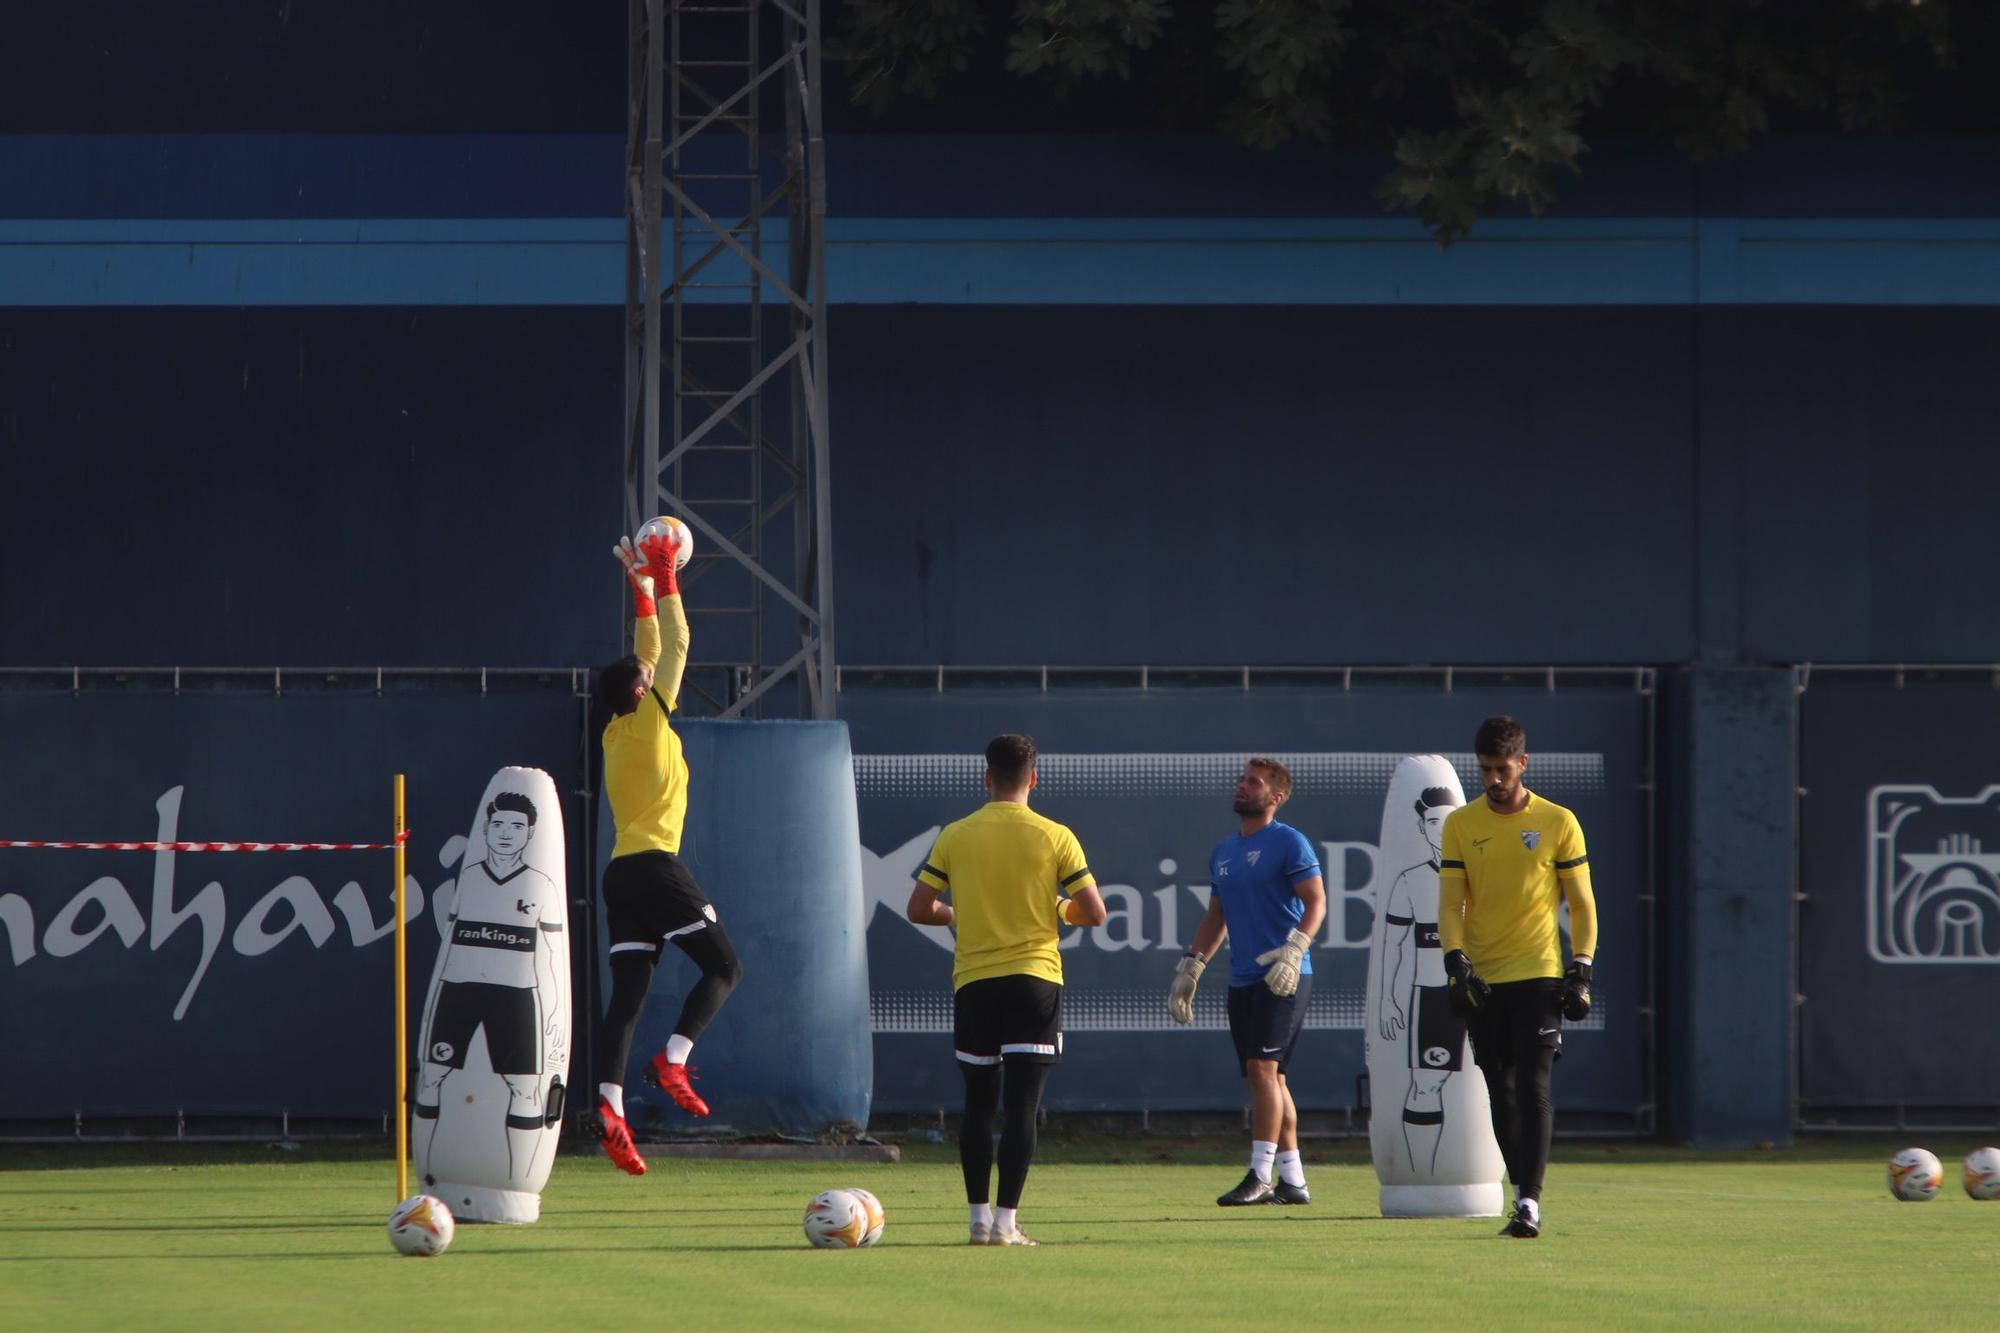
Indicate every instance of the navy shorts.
{"type": "Point", "coordinates": [1265, 1026]}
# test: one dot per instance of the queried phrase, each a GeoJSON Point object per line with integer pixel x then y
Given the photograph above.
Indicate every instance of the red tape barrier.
{"type": "Point", "coordinates": [401, 838]}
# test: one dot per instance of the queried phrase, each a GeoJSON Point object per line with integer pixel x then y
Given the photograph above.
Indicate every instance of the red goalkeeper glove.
{"type": "Point", "coordinates": [639, 576]}
{"type": "Point", "coordinates": [662, 556]}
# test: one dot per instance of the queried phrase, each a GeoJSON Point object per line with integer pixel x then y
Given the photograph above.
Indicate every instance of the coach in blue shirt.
{"type": "Point", "coordinates": [1268, 900]}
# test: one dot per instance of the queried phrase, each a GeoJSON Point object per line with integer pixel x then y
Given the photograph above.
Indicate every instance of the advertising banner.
{"type": "Point", "coordinates": [140, 983]}
{"type": "Point", "coordinates": [1145, 779]}
{"type": "Point", "coordinates": [1899, 934]}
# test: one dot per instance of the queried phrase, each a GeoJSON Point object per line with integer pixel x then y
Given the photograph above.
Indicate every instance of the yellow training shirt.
{"type": "Point", "coordinates": [1004, 867]}
{"type": "Point", "coordinates": [1501, 879]}
{"type": "Point", "coordinates": [644, 773]}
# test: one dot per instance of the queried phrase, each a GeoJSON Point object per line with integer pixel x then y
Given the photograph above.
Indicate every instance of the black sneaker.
{"type": "Point", "coordinates": [1252, 1190]}
{"type": "Point", "coordinates": [1283, 1193]}
{"type": "Point", "coordinates": [1524, 1224]}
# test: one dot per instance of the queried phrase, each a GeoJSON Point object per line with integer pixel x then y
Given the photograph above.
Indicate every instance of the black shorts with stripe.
{"type": "Point", "coordinates": [1016, 1017]}
{"type": "Point", "coordinates": [1266, 1026]}
{"type": "Point", "coordinates": [650, 897]}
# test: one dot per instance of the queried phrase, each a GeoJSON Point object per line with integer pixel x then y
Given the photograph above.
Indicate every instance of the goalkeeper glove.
{"type": "Point", "coordinates": [639, 575]}
{"type": "Point", "coordinates": [1180, 996]}
{"type": "Point", "coordinates": [1465, 990]}
{"type": "Point", "coordinates": [1281, 973]}
{"type": "Point", "coordinates": [1576, 990]}
{"type": "Point", "coordinates": [662, 556]}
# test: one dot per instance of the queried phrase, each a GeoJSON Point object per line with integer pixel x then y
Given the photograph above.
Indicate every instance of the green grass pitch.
{"type": "Point", "coordinates": [188, 1238]}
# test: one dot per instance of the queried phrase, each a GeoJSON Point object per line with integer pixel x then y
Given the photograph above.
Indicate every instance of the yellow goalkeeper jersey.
{"type": "Point", "coordinates": [1501, 879]}
{"type": "Point", "coordinates": [1004, 867]}
{"type": "Point", "coordinates": [645, 774]}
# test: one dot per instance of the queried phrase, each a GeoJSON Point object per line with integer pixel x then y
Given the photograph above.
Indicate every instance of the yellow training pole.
{"type": "Point", "coordinates": [402, 1019]}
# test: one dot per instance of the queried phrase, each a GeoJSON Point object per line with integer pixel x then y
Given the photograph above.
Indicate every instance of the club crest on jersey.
{"type": "Point", "coordinates": [1933, 888]}
{"type": "Point", "coordinates": [1531, 838]}
{"type": "Point", "coordinates": [1222, 871]}
{"type": "Point", "coordinates": [1255, 852]}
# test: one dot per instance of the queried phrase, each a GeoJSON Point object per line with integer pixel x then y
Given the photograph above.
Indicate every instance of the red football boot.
{"type": "Point", "coordinates": [616, 1136]}
{"type": "Point", "coordinates": [672, 1079]}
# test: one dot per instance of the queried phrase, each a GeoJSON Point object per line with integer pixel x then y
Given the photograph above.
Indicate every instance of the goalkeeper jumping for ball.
{"type": "Point", "coordinates": [1268, 900]}
{"type": "Point", "coordinates": [649, 896]}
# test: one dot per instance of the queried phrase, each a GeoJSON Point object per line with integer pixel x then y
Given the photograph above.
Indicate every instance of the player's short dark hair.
{"type": "Point", "coordinates": [512, 800]}
{"type": "Point", "coordinates": [1010, 758]}
{"type": "Point", "coordinates": [1499, 737]}
{"type": "Point", "coordinates": [1276, 776]}
{"type": "Point", "coordinates": [613, 686]}
{"type": "Point", "coordinates": [1434, 797]}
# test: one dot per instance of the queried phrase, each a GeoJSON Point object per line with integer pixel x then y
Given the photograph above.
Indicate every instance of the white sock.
{"type": "Point", "coordinates": [982, 1215]}
{"type": "Point", "coordinates": [678, 1048]}
{"type": "Point", "coordinates": [615, 1094]}
{"type": "Point", "coordinates": [1261, 1153]}
{"type": "Point", "coordinates": [1003, 1220]}
{"type": "Point", "coordinates": [1534, 1209]}
{"type": "Point", "coordinates": [1291, 1170]}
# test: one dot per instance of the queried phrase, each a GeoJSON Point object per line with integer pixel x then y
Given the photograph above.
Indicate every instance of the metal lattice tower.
{"type": "Point", "coordinates": [724, 352]}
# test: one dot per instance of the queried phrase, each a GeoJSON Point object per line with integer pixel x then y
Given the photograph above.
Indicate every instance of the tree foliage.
{"type": "Point", "coordinates": [1479, 104]}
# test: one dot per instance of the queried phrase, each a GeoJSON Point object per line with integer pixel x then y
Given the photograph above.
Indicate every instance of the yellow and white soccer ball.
{"type": "Point", "coordinates": [1915, 1174]}
{"type": "Point", "coordinates": [1982, 1173]}
{"type": "Point", "coordinates": [837, 1220]}
{"type": "Point", "coordinates": [421, 1226]}
{"type": "Point", "coordinates": [876, 1217]}
{"type": "Point", "coordinates": [655, 527]}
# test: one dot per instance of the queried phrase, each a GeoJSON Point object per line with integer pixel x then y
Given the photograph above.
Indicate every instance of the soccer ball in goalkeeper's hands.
{"type": "Point", "coordinates": [421, 1226]}
{"type": "Point", "coordinates": [1915, 1174]}
{"type": "Point", "coordinates": [683, 537]}
{"type": "Point", "coordinates": [1982, 1173]}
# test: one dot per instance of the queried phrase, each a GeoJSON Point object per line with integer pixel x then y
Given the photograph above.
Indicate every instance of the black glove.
{"type": "Point", "coordinates": [1465, 990]}
{"type": "Point", "coordinates": [1576, 991]}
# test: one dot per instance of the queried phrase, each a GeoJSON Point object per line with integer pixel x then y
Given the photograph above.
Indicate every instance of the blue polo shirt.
{"type": "Point", "coordinates": [1253, 877]}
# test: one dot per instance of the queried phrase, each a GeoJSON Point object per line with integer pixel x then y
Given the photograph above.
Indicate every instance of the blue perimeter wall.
{"type": "Point", "coordinates": [349, 400]}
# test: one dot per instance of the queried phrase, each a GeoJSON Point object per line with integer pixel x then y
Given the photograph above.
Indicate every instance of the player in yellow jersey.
{"type": "Point", "coordinates": [1014, 878]}
{"type": "Point", "coordinates": [1506, 865]}
{"type": "Point", "coordinates": [649, 896]}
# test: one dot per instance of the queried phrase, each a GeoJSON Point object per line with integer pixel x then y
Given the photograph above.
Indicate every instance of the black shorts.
{"type": "Point", "coordinates": [513, 1037]}
{"type": "Point", "coordinates": [650, 897]}
{"type": "Point", "coordinates": [1516, 1019]}
{"type": "Point", "coordinates": [1266, 1026]}
{"type": "Point", "coordinates": [1437, 1038]}
{"type": "Point", "coordinates": [1016, 1017]}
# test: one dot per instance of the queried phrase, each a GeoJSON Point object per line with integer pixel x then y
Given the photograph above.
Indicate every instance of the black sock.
{"type": "Point", "coordinates": [712, 952]}
{"type": "Point", "coordinates": [1021, 1100]}
{"type": "Point", "coordinates": [631, 977]}
{"type": "Point", "coordinates": [975, 1135]}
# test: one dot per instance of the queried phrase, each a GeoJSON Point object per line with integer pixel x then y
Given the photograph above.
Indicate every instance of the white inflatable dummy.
{"type": "Point", "coordinates": [1429, 1128]}
{"type": "Point", "coordinates": [495, 1041]}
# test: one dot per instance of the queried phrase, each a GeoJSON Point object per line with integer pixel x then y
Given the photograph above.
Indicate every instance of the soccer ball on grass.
{"type": "Point", "coordinates": [876, 1218]}
{"type": "Point", "coordinates": [1915, 1174]}
{"type": "Point", "coordinates": [837, 1220]}
{"type": "Point", "coordinates": [1982, 1173]}
{"type": "Point", "coordinates": [421, 1226]}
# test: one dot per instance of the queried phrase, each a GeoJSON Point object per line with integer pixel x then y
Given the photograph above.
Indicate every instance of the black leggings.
{"type": "Point", "coordinates": [1020, 1096]}
{"type": "Point", "coordinates": [632, 977]}
{"type": "Point", "coordinates": [1524, 1116]}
